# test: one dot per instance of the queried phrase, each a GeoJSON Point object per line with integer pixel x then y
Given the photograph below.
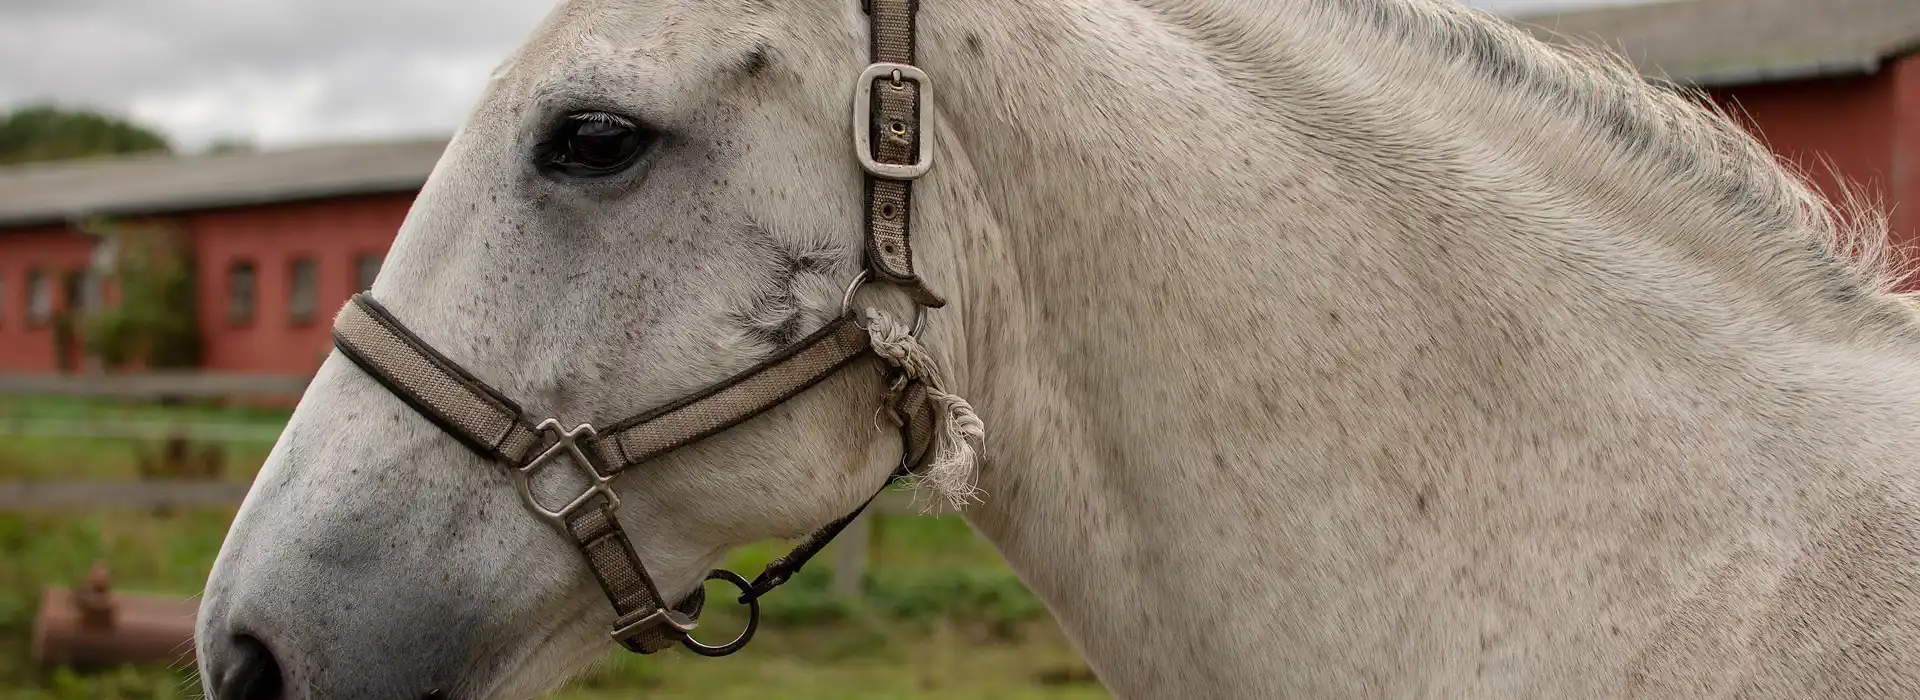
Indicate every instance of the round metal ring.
{"type": "Point", "coordinates": [846, 305]}
{"type": "Point", "coordinates": [746, 635]}
{"type": "Point", "coordinates": [919, 321]}
{"type": "Point", "coordinates": [846, 300]}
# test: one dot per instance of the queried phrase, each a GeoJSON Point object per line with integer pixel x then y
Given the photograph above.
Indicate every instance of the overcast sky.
{"type": "Point", "coordinates": [281, 72]}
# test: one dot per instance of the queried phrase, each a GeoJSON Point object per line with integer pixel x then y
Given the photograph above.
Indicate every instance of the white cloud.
{"type": "Point", "coordinates": [276, 71]}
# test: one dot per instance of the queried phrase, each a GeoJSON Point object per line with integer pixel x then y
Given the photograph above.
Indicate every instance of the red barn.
{"type": "Point", "coordinates": [277, 241]}
{"type": "Point", "coordinates": [280, 240]}
{"type": "Point", "coordinates": [1832, 85]}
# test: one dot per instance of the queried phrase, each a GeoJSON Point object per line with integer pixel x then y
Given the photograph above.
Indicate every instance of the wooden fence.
{"type": "Point", "coordinates": [107, 429]}
{"type": "Point", "coordinates": [849, 550]}
{"type": "Point", "coordinates": [148, 386]}
{"type": "Point", "coordinates": [64, 496]}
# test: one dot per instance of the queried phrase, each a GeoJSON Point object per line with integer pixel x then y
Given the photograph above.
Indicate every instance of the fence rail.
{"type": "Point", "coordinates": [233, 432]}
{"type": "Point", "coordinates": [849, 551]}
{"type": "Point", "coordinates": [153, 385]}
{"type": "Point", "coordinates": [58, 496]}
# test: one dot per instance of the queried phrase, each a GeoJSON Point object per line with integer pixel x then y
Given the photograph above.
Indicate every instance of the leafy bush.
{"type": "Point", "coordinates": [153, 323]}
{"type": "Point", "coordinates": [964, 594]}
{"type": "Point", "coordinates": [991, 596]}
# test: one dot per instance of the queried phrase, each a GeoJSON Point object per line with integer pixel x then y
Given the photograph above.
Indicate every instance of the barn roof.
{"type": "Point", "coordinates": [1704, 42]}
{"type": "Point", "coordinates": [1729, 42]}
{"type": "Point", "coordinates": [66, 191]}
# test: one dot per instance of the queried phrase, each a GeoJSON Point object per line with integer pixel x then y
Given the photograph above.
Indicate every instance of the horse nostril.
{"type": "Point", "coordinates": [251, 674]}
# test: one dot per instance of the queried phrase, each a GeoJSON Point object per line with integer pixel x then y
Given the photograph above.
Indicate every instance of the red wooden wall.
{"type": "Point", "coordinates": [1867, 128]}
{"type": "Point", "coordinates": [56, 251]}
{"type": "Point", "coordinates": [1906, 146]}
{"type": "Point", "coordinates": [331, 233]}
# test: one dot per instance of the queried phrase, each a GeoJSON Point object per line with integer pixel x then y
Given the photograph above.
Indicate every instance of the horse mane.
{"type": "Point", "coordinates": [1672, 132]}
{"type": "Point", "coordinates": [1685, 129]}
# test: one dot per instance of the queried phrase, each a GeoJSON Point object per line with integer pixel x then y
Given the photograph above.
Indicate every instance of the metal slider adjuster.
{"type": "Point", "coordinates": [681, 624]}
{"type": "Point", "coordinates": [566, 443]}
{"type": "Point", "coordinates": [897, 74]}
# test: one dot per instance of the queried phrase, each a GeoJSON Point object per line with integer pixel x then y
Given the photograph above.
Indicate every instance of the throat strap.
{"type": "Point", "coordinates": [893, 101]}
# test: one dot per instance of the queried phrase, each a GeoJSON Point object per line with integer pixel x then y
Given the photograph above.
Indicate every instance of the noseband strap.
{"type": "Point", "coordinates": [497, 428]}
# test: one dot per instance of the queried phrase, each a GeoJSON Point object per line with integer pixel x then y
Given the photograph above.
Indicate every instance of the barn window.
{"type": "Point", "coordinates": [240, 292]}
{"type": "Point", "coordinates": [365, 268]}
{"type": "Point", "coordinates": [303, 294]}
{"type": "Point", "coordinates": [39, 296]}
{"type": "Point", "coordinates": [73, 288]}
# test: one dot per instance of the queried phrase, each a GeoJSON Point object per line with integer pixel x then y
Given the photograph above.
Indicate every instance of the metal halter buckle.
{"type": "Point", "coordinates": [900, 73]}
{"type": "Point", "coordinates": [567, 444]}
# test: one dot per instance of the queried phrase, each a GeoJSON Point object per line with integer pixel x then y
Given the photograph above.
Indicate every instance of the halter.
{"type": "Point", "coordinates": [887, 111]}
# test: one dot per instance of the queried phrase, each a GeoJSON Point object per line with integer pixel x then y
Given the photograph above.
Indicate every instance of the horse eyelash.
{"type": "Point", "coordinates": [605, 118]}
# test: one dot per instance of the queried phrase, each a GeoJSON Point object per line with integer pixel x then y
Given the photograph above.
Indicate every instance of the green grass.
{"type": "Point", "coordinates": [167, 555]}
{"type": "Point", "coordinates": [868, 661]}
{"type": "Point", "coordinates": [943, 617]}
{"type": "Point", "coordinates": [33, 457]}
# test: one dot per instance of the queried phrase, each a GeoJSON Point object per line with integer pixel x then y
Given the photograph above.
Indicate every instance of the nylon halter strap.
{"type": "Point", "coordinates": [496, 428]}
{"type": "Point", "coordinates": [889, 99]}
{"type": "Point", "coordinates": [888, 103]}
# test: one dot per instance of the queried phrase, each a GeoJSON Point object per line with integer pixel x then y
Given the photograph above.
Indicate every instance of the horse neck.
{"type": "Point", "coordinates": [1207, 258]}
{"type": "Point", "coordinates": [1200, 161]}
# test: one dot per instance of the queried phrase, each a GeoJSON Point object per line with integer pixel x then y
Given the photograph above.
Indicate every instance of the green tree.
{"type": "Point", "coordinates": [153, 323]}
{"type": "Point", "coordinates": [47, 132]}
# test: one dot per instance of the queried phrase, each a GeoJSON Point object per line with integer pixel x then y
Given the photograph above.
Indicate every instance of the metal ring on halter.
{"type": "Point", "coordinates": [846, 305]}
{"type": "Point", "coordinates": [753, 618]}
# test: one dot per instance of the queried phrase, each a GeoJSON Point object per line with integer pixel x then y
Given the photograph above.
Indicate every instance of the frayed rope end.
{"type": "Point", "coordinates": [959, 434]}
{"type": "Point", "coordinates": [959, 439]}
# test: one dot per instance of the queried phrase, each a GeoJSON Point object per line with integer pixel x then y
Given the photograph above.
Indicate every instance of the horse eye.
{"type": "Point", "coordinates": [596, 144]}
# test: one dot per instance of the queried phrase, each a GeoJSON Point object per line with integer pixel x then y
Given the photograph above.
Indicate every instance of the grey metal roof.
{"type": "Point", "coordinates": [45, 193]}
{"type": "Point", "coordinates": [1728, 42]}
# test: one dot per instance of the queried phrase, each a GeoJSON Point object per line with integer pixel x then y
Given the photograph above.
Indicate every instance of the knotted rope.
{"type": "Point", "coordinates": [958, 433]}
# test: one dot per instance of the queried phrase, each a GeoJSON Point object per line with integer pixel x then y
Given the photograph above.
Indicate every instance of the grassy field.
{"type": "Point", "coordinates": [943, 617]}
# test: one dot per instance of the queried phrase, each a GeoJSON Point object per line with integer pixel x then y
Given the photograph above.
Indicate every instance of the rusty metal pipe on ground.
{"type": "Point", "coordinates": [91, 627]}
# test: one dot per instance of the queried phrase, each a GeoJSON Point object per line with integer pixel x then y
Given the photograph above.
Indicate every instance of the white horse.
{"type": "Point", "coordinates": [1327, 348]}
